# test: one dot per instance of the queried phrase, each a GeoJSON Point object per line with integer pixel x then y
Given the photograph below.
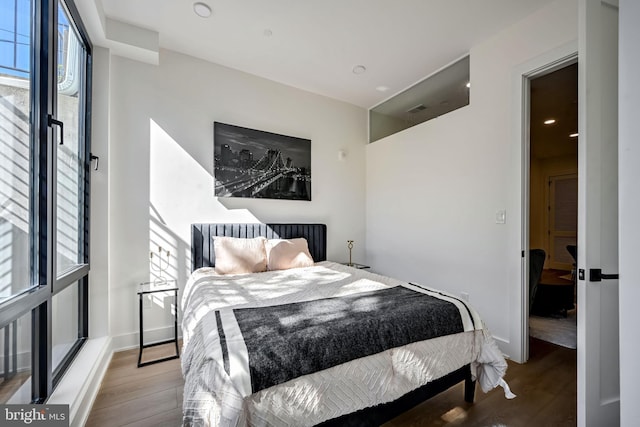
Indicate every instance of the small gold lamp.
{"type": "Point", "coordinates": [350, 246]}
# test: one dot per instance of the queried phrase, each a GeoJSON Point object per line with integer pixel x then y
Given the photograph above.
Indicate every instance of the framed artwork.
{"type": "Point", "coordinates": [258, 164]}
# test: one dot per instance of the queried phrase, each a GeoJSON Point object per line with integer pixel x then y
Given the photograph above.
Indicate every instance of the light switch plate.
{"type": "Point", "coordinates": [501, 216]}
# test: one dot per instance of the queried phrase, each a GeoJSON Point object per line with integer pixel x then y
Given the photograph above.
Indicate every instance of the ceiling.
{"type": "Point", "coordinates": [312, 45]}
{"type": "Point", "coordinates": [554, 96]}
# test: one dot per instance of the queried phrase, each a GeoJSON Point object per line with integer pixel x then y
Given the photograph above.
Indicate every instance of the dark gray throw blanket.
{"type": "Point", "coordinates": [290, 340]}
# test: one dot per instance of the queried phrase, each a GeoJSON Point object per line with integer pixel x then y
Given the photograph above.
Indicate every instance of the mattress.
{"type": "Point", "coordinates": [301, 346]}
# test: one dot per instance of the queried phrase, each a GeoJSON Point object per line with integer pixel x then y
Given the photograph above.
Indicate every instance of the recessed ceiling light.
{"type": "Point", "coordinates": [359, 69]}
{"type": "Point", "coordinates": [203, 10]}
{"type": "Point", "coordinates": [573, 135]}
{"type": "Point", "coordinates": [382, 88]}
{"type": "Point", "coordinates": [468, 84]}
{"type": "Point", "coordinates": [549, 121]}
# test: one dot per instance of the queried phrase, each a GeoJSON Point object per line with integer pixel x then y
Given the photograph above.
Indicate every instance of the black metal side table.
{"type": "Point", "coordinates": [151, 288]}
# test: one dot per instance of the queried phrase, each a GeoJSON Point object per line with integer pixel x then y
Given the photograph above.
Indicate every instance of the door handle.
{"type": "Point", "coordinates": [60, 124]}
{"type": "Point", "coordinates": [596, 275]}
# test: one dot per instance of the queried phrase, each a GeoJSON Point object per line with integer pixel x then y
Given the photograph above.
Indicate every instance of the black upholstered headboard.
{"type": "Point", "coordinates": [202, 254]}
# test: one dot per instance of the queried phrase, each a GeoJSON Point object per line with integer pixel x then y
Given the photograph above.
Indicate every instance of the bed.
{"type": "Point", "coordinates": [323, 344]}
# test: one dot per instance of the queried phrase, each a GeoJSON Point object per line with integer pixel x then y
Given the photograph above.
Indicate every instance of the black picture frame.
{"type": "Point", "coordinates": [257, 164]}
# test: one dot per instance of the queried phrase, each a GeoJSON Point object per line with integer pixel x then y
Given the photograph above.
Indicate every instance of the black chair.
{"type": "Point", "coordinates": [536, 264]}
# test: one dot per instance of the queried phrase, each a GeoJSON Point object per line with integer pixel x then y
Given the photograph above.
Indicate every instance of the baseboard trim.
{"type": "Point", "coordinates": [503, 345]}
{"type": "Point", "coordinates": [500, 341]}
{"type": "Point", "coordinates": [132, 340]}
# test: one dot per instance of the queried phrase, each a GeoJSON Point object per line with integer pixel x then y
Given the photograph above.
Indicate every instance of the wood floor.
{"type": "Point", "coordinates": [546, 396]}
{"type": "Point", "coordinates": [147, 396]}
{"type": "Point", "coordinates": [9, 386]}
{"type": "Point", "coordinates": [546, 389]}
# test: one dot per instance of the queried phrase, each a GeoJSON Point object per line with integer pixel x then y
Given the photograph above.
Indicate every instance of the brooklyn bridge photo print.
{"type": "Point", "coordinates": [258, 164]}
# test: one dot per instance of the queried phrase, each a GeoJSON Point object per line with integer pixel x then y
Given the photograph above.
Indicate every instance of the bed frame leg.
{"type": "Point", "coordinates": [469, 389]}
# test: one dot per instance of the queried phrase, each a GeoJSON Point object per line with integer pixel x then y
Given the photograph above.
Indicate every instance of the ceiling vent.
{"type": "Point", "coordinates": [416, 109]}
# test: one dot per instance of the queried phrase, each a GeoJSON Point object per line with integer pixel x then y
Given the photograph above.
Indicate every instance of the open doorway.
{"type": "Point", "coordinates": [553, 205]}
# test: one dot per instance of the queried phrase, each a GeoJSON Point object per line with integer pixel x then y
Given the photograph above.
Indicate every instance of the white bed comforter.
{"type": "Point", "coordinates": [214, 398]}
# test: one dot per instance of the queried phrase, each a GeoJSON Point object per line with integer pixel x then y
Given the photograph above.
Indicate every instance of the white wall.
{"type": "Point", "coordinates": [161, 161]}
{"type": "Point", "coordinates": [433, 190]}
{"type": "Point", "coordinates": [629, 208]}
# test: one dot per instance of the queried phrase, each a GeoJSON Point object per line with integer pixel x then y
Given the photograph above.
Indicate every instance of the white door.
{"type": "Point", "coordinates": [598, 331]}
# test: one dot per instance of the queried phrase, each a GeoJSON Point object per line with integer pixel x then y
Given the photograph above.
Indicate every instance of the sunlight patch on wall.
{"type": "Point", "coordinates": [180, 194]}
{"type": "Point", "coordinates": [181, 190]}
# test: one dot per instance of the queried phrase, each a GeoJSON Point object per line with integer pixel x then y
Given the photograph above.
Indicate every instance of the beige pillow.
{"type": "Point", "coordinates": [290, 253]}
{"type": "Point", "coordinates": [238, 256]}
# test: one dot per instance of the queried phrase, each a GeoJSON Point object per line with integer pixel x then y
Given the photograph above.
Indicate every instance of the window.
{"type": "Point", "coordinates": [45, 64]}
{"type": "Point", "coordinates": [438, 94]}
{"type": "Point", "coordinates": [15, 38]}
{"type": "Point", "coordinates": [15, 351]}
{"type": "Point", "coordinates": [15, 148]}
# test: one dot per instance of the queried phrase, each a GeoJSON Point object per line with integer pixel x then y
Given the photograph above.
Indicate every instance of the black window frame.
{"type": "Point", "coordinates": [44, 282]}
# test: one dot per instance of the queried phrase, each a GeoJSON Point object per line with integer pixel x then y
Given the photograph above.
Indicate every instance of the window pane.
{"type": "Point", "coordinates": [15, 38]}
{"type": "Point", "coordinates": [70, 175]}
{"type": "Point", "coordinates": [15, 147]}
{"type": "Point", "coordinates": [15, 361]}
{"type": "Point", "coordinates": [440, 93]}
{"type": "Point", "coordinates": [64, 323]}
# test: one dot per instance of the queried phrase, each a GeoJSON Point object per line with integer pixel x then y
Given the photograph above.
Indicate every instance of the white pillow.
{"type": "Point", "coordinates": [283, 254]}
{"type": "Point", "coordinates": [238, 256]}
